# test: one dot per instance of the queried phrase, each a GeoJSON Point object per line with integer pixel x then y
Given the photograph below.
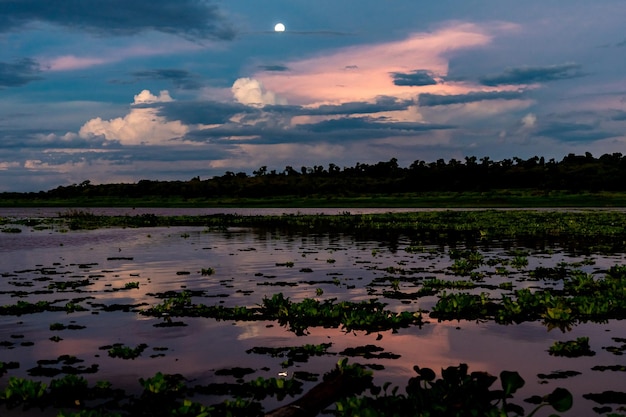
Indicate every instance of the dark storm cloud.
{"type": "Point", "coordinates": [256, 128]}
{"type": "Point", "coordinates": [276, 68]}
{"type": "Point", "coordinates": [213, 112]}
{"type": "Point", "coordinates": [431, 100]}
{"type": "Point", "coordinates": [199, 112]}
{"type": "Point", "coordinates": [367, 123]}
{"type": "Point", "coordinates": [124, 156]}
{"type": "Point", "coordinates": [332, 131]}
{"type": "Point", "coordinates": [195, 19]}
{"type": "Point", "coordinates": [180, 78]}
{"type": "Point", "coordinates": [33, 139]}
{"type": "Point", "coordinates": [573, 132]}
{"type": "Point", "coordinates": [529, 75]}
{"type": "Point", "coordinates": [382, 104]}
{"type": "Point", "coordinates": [260, 132]}
{"type": "Point", "coordinates": [18, 73]}
{"type": "Point", "coordinates": [415, 78]}
{"type": "Point", "coordinates": [19, 138]}
{"type": "Point", "coordinates": [158, 153]}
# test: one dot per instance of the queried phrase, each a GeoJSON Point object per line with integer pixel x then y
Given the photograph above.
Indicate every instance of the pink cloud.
{"type": "Point", "coordinates": [363, 72]}
{"type": "Point", "coordinates": [73, 62]}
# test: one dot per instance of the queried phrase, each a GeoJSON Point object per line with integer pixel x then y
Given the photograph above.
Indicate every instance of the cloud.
{"type": "Point", "coordinates": [51, 168]}
{"type": "Point", "coordinates": [380, 104]}
{"type": "Point", "coordinates": [141, 126]}
{"type": "Point", "coordinates": [205, 112]}
{"type": "Point", "coordinates": [194, 19]}
{"type": "Point", "coordinates": [113, 55]}
{"type": "Point", "coordinates": [530, 75]}
{"type": "Point", "coordinates": [180, 78]}
{"type": "Point", "coordinates": [146, 97]}
{"type": "Point", "coordinates": [431, 100]}
{"type": "Point", "coordinates": [72, 62]}
{"type": "Point", "coordinates": [274, 68]}
{"type": "Point", "coordinates": [158, 120]}
{"type": "Point", "coordinates": [209, 112]}
{"type": "Point", "coordinates": [415, 78]}
{"type": "Point", "coordinates": [340, 130]}
{"type": "Point", "coordinates": [619, 116]}
{"type": "Point", "coordinates": [573, 132]}
{"type": "Point", "coordinates": [529, 121]}
{"type": "Point", "coordinates": [361, 72]}
{"type": "Point", "coordinates": [362, 124]}
{"type": "Point", "coordinates": [251, 92]}
{"type": "Point", "coordinates": [18, 73]}
{"type": "Point", "coordinates": [4, 166]}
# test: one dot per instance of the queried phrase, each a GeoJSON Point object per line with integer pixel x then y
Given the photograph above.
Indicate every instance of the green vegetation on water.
{"type": "Point", "coordinates": [574, 228]}
{"type": "Point", "coordinates": [298, 316]}
{"type": "Point", "coordinates": [580, 297]}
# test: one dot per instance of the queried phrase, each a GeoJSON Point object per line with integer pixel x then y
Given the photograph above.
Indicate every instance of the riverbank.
{"type": "Point", "coordinates": [467, 199]}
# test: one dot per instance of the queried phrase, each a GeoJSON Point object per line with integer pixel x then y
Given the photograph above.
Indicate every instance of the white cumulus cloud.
{"type": "Point", "coordinates": [251, 92]}
{"type": "Point", "coordinates": [147, 97]}
{"type": "Point", "coordinates": [139, 126]}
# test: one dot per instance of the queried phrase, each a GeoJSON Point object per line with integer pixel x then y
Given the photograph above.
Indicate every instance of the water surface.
{"type": "Point", "coordinates": [250, 265]}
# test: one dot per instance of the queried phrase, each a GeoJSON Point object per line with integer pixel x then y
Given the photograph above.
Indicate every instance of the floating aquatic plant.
{"type": "Point", "coordinates": [118, 350]}
{"type": "Point", "coordinates": [572, 348]}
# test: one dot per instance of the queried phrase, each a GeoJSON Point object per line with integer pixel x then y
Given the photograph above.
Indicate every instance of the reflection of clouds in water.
{"type": "Point", "coordinates": [263, 332]}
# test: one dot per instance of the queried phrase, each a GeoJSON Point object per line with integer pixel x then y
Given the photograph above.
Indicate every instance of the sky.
{"type": "Point", "coordinates": [115, 91]}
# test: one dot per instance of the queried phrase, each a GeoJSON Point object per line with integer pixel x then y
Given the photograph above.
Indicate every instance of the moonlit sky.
{"type": "Point", "coordinates": [120, 90]}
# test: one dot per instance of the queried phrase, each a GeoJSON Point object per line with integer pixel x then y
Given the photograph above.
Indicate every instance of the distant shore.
{"type": "Point", "coordinates": [473, 199]}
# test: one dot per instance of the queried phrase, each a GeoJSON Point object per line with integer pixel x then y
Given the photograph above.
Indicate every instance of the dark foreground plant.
{"type": "Point", "coordinates": [22, 391]}
{"type": "Point", "coordinates": [457, 393]}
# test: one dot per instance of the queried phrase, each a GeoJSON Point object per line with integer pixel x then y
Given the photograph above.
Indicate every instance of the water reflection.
{"type": "Point", "coordinates": [250, 265]}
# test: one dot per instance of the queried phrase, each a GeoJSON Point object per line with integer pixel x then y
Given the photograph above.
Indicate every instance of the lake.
{"type": "Point", "coordinates": [135, 268]}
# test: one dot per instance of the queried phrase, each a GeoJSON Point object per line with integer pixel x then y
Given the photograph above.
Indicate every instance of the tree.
{"type": "Point", "coordinates": [260, 172]}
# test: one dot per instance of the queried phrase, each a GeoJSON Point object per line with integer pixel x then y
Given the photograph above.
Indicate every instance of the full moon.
{"type": "Point", "coordinates": [279, 27]}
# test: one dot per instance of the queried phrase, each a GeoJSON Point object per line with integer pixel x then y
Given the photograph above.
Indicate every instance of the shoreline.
{"type": "Point", "coordinates": [499, 199]}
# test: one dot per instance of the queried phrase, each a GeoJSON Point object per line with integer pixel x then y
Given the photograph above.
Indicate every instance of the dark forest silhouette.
{"type": "Point", "coordinates": [575, 173]}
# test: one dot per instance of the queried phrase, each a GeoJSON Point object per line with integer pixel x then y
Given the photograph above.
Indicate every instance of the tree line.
{"type": "Point", "coordinates": [574, 173]}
